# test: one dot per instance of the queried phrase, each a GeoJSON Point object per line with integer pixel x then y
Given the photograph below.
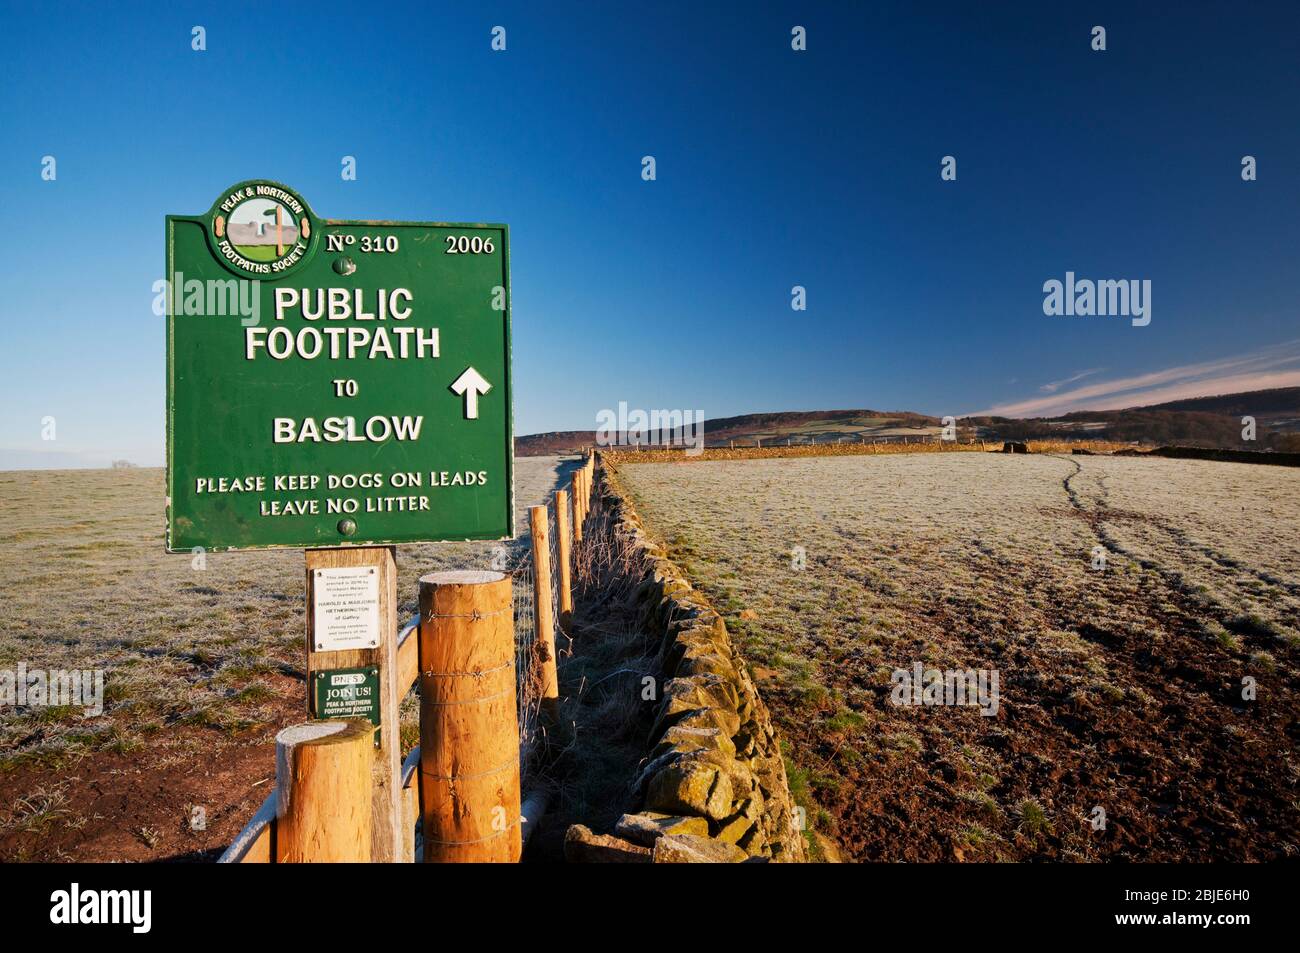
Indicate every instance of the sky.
{"type": "Point", "coordinates": [775, 168]}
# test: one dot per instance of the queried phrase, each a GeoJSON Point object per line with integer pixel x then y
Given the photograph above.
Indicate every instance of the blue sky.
{"type": "Point", "coordinates": [775, 169]}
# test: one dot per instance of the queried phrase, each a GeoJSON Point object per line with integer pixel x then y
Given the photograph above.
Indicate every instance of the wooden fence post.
{"type": "Point", "coordinates": [576, 483]}
{"type": "Point", "coordinates": [323, 792]}
{"type": "Point", "coordinates": [562, 552]}
{"type": "Point", "coordinates": [388, 841]}
{"type": "Point", "coordinates": [469, 723]}
{"type": "Point", "coordinates": [579, 514]}
{"type": "Point", "coordinates": [543, 608]}
{"type": "Point", "coordinates": [587, 473]}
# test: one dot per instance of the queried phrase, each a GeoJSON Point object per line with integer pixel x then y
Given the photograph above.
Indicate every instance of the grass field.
{"type": "Point", "coordinates": [200, 662]}
{"type": "Point", "coordinates": [258, 252]}
{"type": "Point", "coordinates": [1121, 688]}
{"type": "Point", "coordinates": [850, 428]}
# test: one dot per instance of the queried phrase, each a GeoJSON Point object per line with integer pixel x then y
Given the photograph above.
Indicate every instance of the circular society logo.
{"type": "Point", "coordinates": [262, 229]}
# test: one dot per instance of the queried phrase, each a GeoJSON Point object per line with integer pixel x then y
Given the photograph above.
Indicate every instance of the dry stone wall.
{"type": "Point", "coordinates": [712, 787]}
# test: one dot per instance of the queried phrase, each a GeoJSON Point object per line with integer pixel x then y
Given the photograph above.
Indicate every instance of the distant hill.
{"type": "Point", "coordinates": [1279, 400]}
{"type": "Point", "coordinates": [1198, 422]}
{"type": "Point", "coordinates": [797, 426]}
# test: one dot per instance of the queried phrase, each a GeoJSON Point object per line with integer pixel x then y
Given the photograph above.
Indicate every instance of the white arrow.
{"type": "Point", "coordinates": [471, 384]}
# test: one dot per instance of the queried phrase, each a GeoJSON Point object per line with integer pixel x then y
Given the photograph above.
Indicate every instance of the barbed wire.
{"type": "Point", "coordinates": [518, 565]}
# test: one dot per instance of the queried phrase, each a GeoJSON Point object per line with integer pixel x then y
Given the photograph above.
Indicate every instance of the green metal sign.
{"type": "Point", "coordinates": [348, 693]}
{"type": "Point", "coordinates": [334, 382]}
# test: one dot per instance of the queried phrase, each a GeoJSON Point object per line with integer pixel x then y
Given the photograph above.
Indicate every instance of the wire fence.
{"type": "Point", "coordinates": [519, 567]}
{"type": "Point", "coordinates": [515, 559]}
{"type": "Point", "coordinates": [527, 695]}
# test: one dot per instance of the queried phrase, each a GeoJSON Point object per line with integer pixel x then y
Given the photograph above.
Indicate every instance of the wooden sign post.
{"type": "Point", "coordinates": [348, 677]}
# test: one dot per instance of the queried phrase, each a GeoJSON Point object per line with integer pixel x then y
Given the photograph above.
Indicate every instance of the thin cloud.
{"type": "Point", "coordinates": [1054, 386]}
{"type": "Point", "coordinates": [1277, 366]}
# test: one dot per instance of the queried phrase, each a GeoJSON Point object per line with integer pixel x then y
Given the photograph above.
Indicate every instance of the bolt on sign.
{"type": "Point", "coordinates": [334, 382]}
{"type": "Point", "coordinates": [348, 693]}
